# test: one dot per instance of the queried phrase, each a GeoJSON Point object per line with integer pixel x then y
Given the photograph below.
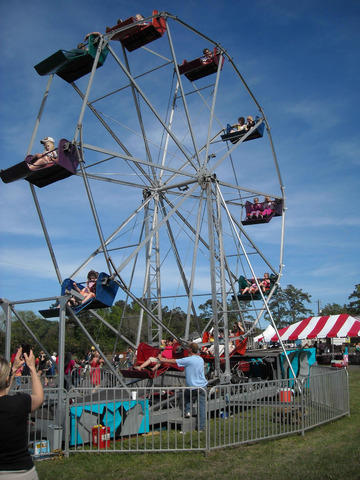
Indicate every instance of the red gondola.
{"type": "Point", "coordinates": [138, 35]}
{"type": "Point", "coordinates": [144, 351]}
{"type": "Point", "coordinates": [201, 67]}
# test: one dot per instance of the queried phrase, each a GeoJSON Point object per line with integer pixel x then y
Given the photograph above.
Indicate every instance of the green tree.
{"type": "Point", "coordinates": [288, 305]}
{"type": "Point", "coordinates": [354, 306]}
{"type": "Point", "coordinates": [233, 314]}
{"type": "Point", "coordinates": [333, 309]}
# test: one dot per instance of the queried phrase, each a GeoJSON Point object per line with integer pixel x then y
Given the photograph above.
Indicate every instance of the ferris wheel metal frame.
{"type": "Point", "coordinates": [196, 178]}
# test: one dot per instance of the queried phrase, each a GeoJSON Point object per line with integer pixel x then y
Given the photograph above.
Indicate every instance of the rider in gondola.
{"type": "Point", "coordinates": [48, 157]}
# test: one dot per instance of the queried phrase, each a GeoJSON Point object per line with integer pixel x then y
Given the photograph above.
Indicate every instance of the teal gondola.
{"type": "Point", "coordinates": [73, 64]}
{"type": "Point", "coordinates": [247, 297]}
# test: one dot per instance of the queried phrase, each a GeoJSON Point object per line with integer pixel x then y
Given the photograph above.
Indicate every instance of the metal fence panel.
{"type": "Point", "coordinates": [106, 418]}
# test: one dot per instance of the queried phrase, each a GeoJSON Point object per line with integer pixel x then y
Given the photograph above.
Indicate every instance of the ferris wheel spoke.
{"type": "Point", "coordinates": [111, 237]}
{"type": "Point", "coordinates": [139, 117]}
{"type": "Point", "coordinates": [158, 226]}
{"type": "Point", "coordinates": [157, 116]}
{"type": "Point", "coordinates": [177, 257]}
{"type": "Point", "coordinates": [234, 221]}
{"type": "Point", "coordinates": [136, 161]}
{"type": "Point", "coordinates": [237, 144]}
{"type": "Point", "coordinates": [248, 190]}
{"type": "Point", "coordinates": [108, 179]}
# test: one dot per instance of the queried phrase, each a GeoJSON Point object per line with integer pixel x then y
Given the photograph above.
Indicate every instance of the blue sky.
{"type": "Point", "coordinates": [301, 61]}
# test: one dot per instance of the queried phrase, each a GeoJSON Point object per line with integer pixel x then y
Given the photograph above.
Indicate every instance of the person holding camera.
{"type": "Point", "coordinates": [15, 459]}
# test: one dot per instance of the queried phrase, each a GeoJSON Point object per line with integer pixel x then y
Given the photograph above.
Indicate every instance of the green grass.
{"type": "Point", "coordinates": [329, 452]}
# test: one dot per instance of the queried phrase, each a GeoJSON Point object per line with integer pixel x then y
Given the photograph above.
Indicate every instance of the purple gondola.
{"type": "Point", "coordinates": [64, 166]}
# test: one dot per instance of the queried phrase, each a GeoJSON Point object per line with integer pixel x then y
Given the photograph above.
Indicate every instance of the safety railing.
{"type": "Point", "coordinates": [94, 378]}
{"type": "Point", "coordinates": [138, 419]}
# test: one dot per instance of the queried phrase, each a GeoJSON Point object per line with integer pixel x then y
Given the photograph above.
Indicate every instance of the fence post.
{"type": "Point", "coordinates": [67, 425]}
{"type": "Point", "coordinates": [207, 425]}
{"type": "Point", "coordinates": [303, 405]}
{"type": "Point", "coordinates": [347, 391]}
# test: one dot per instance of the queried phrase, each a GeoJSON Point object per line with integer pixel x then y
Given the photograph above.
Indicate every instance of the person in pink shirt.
{"type": "Point", "coordinates": [256, 209]}
{"type": "Point", "coordinates": [166, 353]}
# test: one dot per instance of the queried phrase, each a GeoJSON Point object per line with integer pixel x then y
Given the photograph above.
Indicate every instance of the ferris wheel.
{"type": "Point", "coordinates": [170, 177]}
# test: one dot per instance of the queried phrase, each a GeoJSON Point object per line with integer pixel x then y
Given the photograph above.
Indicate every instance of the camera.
{"type": "Point", "coordinates": [26, 348]}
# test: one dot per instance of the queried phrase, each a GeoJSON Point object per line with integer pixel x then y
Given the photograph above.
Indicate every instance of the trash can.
{"type": "Point", "coordinates": [54, 435]}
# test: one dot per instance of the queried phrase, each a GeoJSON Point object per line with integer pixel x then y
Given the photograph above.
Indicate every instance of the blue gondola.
{"type": "Point", "coordinates": [234, 137]}
{"type": "Point", "coordinates": [106, 291]}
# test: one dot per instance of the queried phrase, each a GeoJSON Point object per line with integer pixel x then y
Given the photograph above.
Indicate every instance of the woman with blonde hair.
{"type": "Point", "coordinates": [249, 122]}
{"type": "Point", "coordinates": [15, 460]}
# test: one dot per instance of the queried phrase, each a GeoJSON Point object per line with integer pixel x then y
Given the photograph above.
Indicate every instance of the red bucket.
{"type": "Point", "coordinates": [100, 437]}
{"type": "Point", "coordinates": [285, 395]}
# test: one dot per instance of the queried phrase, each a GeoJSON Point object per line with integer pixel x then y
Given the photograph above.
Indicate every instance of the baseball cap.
{"type": "Point", "coordinates": [47, 139]}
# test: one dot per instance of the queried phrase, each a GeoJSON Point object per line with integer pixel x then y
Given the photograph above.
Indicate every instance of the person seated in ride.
{"type": "Point", "coordinates": [139, 17]}
{"type": "Point", "coordinates": [208, 56]}
{"type": "Point", "coordinates": [211, 350]}
{"type": "Point", "coordinates": [265, 284]}
{"type": "Point", "coordinates": [238, 127]}
{"type": "Point", "coordinates": [95, 42]}
{"type": "Point", "coordinates": [166, 353]}
{"type": "Point", "coordinates": [252, 288]}
{"type": "Point", "coordinates": [249, 122]}
{"type": "Point", "coordinates": [48, 157]}
{"type": "Point", "coordinates": [88, 292]}
{"type": "Point", "coordinates": [255, 209]}
{"type": "Point", "coordinates": [268, 206]}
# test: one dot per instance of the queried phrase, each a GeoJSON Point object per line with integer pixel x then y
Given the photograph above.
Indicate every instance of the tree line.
{"type": "Point", "coordinates": [288, 305]}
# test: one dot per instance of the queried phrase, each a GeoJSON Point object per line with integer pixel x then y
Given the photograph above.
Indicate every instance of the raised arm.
{"type": "Point", "coordinates": [15, 366]}
{"type": "Point", "coordinates": [37, 392]}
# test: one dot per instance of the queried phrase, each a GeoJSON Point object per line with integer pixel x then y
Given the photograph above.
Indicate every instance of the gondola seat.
{"type": "Point", "coordinates": [240, 349]}
{"type": "Point", "coordinates": [65, 166]}
{"type": "Point", "coordinates": [276, 212]}
{"type": "Point", "coordinates": [234, 137]}
{"type": "Point", "coordinates": [247, 297]}
{"type": "Point", "coordinates": [200, 68]}
{"type": "Point", "coordinates": [106, 291]}
{"type": "Point", "coordinates": [145, 351]}
{"type": "Point", "coordinates": [73, 64]}
{"type": "Point", "coordinates": [136, 36]}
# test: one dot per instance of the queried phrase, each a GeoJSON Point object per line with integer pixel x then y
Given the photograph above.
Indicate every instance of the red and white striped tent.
{"type": "Point", "coordinates": [331, 326]}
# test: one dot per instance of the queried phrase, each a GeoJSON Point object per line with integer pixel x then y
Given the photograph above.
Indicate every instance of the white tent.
{"type": "Point", "coordinates": [266, 335]}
